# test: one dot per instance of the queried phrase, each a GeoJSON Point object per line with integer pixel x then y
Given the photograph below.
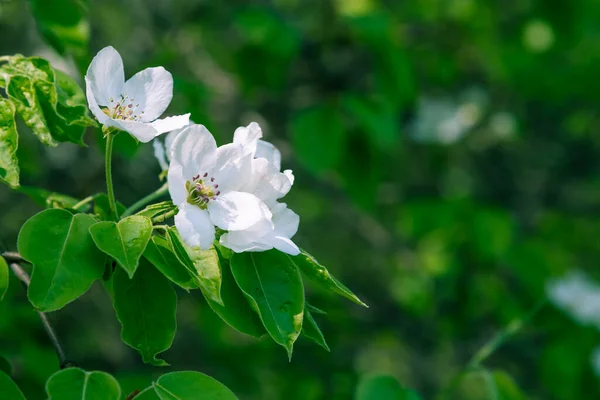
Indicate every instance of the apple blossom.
{"type": "Point", "coordinates": [133, 105]}
{"type": "Point", "coordinates": [205, 183]}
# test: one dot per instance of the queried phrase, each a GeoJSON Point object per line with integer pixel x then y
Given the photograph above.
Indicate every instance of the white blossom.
{"type": "Point", "coordinates": [577, 295]}
{"type": "Point", "coordinates": [133, 105]}
{"type": "Point", "coordinates": [269, 184]}
{"type": "Point", "coordinates": [205, 182]}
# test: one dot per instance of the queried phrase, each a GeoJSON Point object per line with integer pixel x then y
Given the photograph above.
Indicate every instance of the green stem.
{"type": "Point", "coordinates": [498, 340]}
{"type": "Point", "coordinates": [109, 182]}
{"type": "Point", "coordinates": [165, 216]}
{"type": "Point", "coordinates": [84, 202]}
{"type": "Point", "coordinates": [161, 191]}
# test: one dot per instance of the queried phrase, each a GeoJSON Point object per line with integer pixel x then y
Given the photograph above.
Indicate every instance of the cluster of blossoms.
{"type": "Point", "coordinates": [234, 187]}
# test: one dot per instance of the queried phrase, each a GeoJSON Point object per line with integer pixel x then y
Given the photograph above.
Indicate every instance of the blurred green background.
{"type": "Point", "coordinates": [447, 165]}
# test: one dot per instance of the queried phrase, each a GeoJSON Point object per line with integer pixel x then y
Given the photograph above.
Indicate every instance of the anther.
{"type": "Point", "coordinates": [205, 175]}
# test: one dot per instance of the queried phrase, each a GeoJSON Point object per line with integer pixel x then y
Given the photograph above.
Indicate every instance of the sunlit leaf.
{"type": "Point", "coordinates": [160, 254]}
{"type": "Point", "coordinates": [383, 387]}
{"type": "Point", "coordinates": [319, 274]}
{"type": "Point", "coordinates": [65, 259]}
{"type": "Point", "coordinates": [9, 164]}
{"type": "Point", "coordinates": [124, 241]}
{"type": "Point", "coordinates": [235, 310]}
{"type": "Point", "coordinates": [274, 287]}
{"type": "Point", "coordinates": [311, 330]}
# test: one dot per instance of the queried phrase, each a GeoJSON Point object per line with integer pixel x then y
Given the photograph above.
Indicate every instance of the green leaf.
{"type": "Point", "coordinates": [377, 119]}
{"type": "Point", "coordinates": [102, 207]}
{"type": "Point", "coordinates": [9, 389]}
{"type": "Point", "coordinates": [63, 25]}
{"type": "Point", "coordinates": [9, 164]}
{"type": "Point", "coordinates": [206, 263]}
{"type": "Point", "coordinates": [3, 277]}
{"type": "Point", "coordinates": [147, 394]}
{"type": "Point", "coordinates": [274, 288]}
{"type": "Point", "coordinates": [311, 330]}
{"type": "Point", "coordinates": [65, 259]}
{"type": "Point", "coordinates": [319, 274]}
{"type": "Point", "coordinates": [382, 387]}
{"type": "Point", "coordinates": [319, 138]}
{"type": "Point", "coordinates": [203, 265]}
{"type": "Point", "coordinates": [77, 384]}
{"type": "Point", "coordinates": [124, 241]}
{"type": "Point", "coordinates": [5, 366]}
{"type": "Point", "coordinates": [146, 306]}
{"type": "Point", "coordinates": [191, 385]}
{"type": "Point", "coordinates": [506, 387]}
{"type": "Point", "coordinates": [50, 102]}
{"type": "Point", "coordinates": [235, 310]}
{"type": "Point", "coordinates": [156, 209]}
{"type": "Point", "coordinates": [159, 253]}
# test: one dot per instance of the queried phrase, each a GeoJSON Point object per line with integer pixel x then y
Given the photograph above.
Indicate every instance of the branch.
{"type": "Point", "coordinates": [24, 277]}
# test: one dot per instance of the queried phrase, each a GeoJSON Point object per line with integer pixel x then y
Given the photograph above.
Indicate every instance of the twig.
{"type": "Point", "coordinates": [12, 256]}
{"type": "Point", "coordinates": [24, 277]}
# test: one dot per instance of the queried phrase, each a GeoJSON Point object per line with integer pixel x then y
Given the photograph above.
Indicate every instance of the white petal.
{"type": "Point", "coordinates": [171, 123]}
{"type": "Point", "coordinates": [285, 245]}
{"type": "Point", "coordinates": [106, 76]}
{"type": "Point", "coordinates": [195, 150]}
{"type": "Point", "coordinates": [290, 175]}
{"type": "Point", "coordinates": [159, 153]}
{"type": "Point", "coordinates": [248, 136]}
{"type": "Point", "coordinates": [232, 167]}
{"type": "Point", "coordinates": [142, 131]}
{"type": "Point", "coordinates": [176, 182]}
{"type": "Point", "coordinates": [195, 227]}
{"type": "Point", "coordinates": [239, 241]}
{"type": "Point", "coordinates": [238, 210]}
{"type": "Point", "coordinates": [98, 113]}
{"type": "Point", "coordinates": [266, 182]}
{"type": "Point", "coordinates": [152, 89]}
{"type": "Point", "coordinates": [269, 151]}
{"type": "Point", "coordinates": [285, 220]}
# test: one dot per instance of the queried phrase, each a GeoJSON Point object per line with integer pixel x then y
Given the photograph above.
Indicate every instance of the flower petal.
{"type": "Point", "coordinates": [152, 89]}
{"type": "Point", "coordinates": [143, 132]}
{"type": "Point", "coordinates": [195, 227]}
{"type": "Point", "coordinates": [269, 151]}
{"type": "Point", "coordinates": [195, 150]}
{"type": "Point", "coordinates": [238, 211]}
{"type": "Point", "coordinates": [240, 241]}
{"type": "Point", "coordinates": [285, 245]}
{"type": "Point", "coordinates": [106, 76]}
{"type": "Point", "coordinates": [266, 182]}
{"type": "Point", "coordinates": [176, 183]}
{"type": "Point", "coordinates": [248, 136]}
{"type": "Point", "coordinates": [232, 167]}
{"type": "Point", "coordinates": [160, 154]}
{"type": "Point", "coordinates": [94, 107]}
{"type": "Point", "coordinates": [171, 123]}
{"type": "Point", "coordinates": [285, 220]}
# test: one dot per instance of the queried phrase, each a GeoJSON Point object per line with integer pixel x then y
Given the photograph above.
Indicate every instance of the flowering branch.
{"type": "Point", "coordinates": [110, 135]}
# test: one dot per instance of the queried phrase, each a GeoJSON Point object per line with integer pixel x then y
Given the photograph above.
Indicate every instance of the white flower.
{"type": "Point", "coordinates": [205, 183]}
{"type": "Point", "coordinates": [269, 184]}
{"type": "Point", "coordinates": [162, 151]}
{"type": "Point", "coordinates": [131, 106]}
{"type": "Point", "coordinates": [285, 226]}
{"type": "Point", "coordinates": [578, 295]}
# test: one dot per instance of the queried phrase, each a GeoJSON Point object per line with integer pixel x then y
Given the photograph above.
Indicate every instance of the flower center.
{"type": "Point", "coordinates": [201, 189]}
{"type": "Point", "coordinates": [123, 108]}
